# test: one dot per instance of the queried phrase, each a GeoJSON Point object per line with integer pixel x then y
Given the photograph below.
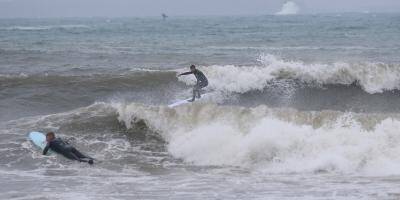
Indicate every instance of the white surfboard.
{"type": "Point", "coordinates": [186, 101]}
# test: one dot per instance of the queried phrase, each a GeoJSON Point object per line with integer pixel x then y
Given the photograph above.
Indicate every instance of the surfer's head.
{"type": "Point", "coordinates": [192, 68]}
{"type": "Point", "coordinates": [50, 136]}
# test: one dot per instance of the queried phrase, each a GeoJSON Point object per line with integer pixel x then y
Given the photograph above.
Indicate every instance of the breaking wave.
{"type": "Point", "coordinates": [274, 140]}
{"type": "Point", "coordinates": [371, 77]}
{"type": "Point", "coordinates": [261, 138]}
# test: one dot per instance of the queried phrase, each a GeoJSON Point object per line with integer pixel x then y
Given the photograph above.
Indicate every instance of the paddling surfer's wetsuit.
{"type": "Point", "coordinates": [65, 149]}
{"type": "Point", "coordinates": [201, 82]}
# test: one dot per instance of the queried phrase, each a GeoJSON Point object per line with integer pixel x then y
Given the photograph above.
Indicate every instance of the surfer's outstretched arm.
{"type": "Point", "coordinates": [186, 73]}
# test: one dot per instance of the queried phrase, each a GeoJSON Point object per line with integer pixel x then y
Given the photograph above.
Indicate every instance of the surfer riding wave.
{"type": "Point", "coordinates": [202, 81]}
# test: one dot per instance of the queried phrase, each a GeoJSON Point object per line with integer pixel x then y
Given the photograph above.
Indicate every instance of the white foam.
{"type": "Point", "coordinates": [262, 138]}
{"type": "Point", "coordinates": [372, 77]}
{"type": "Point", "coordinates": [40, 28]}
{"type": "Point", "coordinates": [20, 75]}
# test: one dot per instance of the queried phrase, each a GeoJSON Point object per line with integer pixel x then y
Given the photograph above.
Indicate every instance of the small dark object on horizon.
{"type": "Point", "coordinates": [164, 16]}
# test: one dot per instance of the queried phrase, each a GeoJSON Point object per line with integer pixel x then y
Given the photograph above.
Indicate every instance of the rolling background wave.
{"type": "Point", "coordinates": [358, 87]}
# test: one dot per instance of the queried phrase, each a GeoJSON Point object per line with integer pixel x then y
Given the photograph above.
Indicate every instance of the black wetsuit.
{"type": "Point", "coordinates": [65, 149]}
{"type": "Point", "coordinates": [201, 82]}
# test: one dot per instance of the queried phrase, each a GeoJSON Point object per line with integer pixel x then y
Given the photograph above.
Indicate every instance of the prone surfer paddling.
{"type": "Point", "coordinates": [201, 81]}
{"type": "Point", "coordinates": [65, 149]}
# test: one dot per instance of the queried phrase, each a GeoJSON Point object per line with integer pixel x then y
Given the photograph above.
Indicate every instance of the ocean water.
{"type": "Point", "coordinates": [301, 107]}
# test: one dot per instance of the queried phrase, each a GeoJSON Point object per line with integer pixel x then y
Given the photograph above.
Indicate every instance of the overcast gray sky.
{"type": "Point", "coordinates": [126, 8]}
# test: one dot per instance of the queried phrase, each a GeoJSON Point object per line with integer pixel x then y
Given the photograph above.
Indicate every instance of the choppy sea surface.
{"type": "Point", "coordinates": [301, 107]}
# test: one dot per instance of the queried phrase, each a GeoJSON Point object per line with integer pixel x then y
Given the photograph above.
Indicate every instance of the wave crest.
{"type": "Point", "coordinates": [371, 77]}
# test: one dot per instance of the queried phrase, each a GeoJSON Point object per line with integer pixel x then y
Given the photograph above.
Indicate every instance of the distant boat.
{"type": "Point", "coordinates": [164, 16]}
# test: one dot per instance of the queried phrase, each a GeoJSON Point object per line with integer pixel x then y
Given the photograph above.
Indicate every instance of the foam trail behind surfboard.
{"type": "Point", "coordinates": [181, 102]}
{"type": "Point", "coordinates": [186, 101]}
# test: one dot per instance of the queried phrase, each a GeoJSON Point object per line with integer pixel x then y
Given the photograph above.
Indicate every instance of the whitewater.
{"type": "Point", "coordinates": [300, 107]}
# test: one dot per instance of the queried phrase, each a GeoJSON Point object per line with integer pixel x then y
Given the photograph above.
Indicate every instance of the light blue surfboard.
{"type": "Point", "coordinates": [38, 139]}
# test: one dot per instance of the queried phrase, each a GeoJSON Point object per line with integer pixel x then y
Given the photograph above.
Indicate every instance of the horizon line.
{"type": "Point", "coordinates": [207, 15]}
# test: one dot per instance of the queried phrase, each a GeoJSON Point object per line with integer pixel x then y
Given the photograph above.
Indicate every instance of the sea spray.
{"type": "Point", "coordinates": [274, 140]}
{"type": "Point", "coordinates": [289, 8]}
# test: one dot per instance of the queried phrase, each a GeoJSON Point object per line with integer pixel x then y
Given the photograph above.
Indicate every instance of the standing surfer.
{"type": "Point", "coordinates": [201, 81]}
